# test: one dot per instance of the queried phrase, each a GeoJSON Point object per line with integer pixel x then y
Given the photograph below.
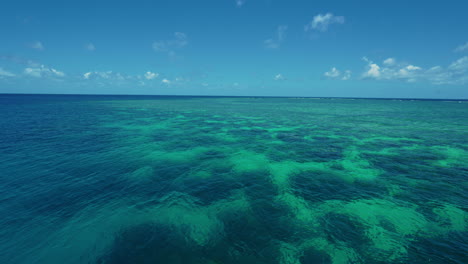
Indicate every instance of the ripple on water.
{"type": "Point", "coordinates": [219, 181]}
{"type": "Point", "coordinates": [321, 186]}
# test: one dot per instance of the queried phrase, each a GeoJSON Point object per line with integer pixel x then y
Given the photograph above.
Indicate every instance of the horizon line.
{"type": "Point", "coordinates": [248, 96]}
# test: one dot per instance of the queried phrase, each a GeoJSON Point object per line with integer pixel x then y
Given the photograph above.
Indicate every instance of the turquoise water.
{"type": "Point", "coordinates": [108, 179]}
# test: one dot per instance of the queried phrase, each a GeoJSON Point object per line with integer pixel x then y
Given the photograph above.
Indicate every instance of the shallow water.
{"type": "Point", "coordinates": [108, 179]}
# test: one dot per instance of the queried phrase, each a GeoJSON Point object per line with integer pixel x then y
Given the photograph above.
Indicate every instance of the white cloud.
{"type": "Point", "coordinates": [4, 73]}
{"type": "Point", "coordinates": [90, 47]}
{"type": "Point", "coordinates": [373, 71]}
{"type": "Point", "coordinates": [87, 75]}
{"type": "Point", "coordinates": [460, 65]}
{"type": "Point", "coordinates": [413, 68]}
{"type": "Point", "coordinates": [275, 43]}
{"type": "Point", "coordinates": [240, 3]}
{"type": "Point", "coordinates": [462, 47]}
{"type": "Point", "coordinates": [37, 45]}
{"type": "Point", "coordinates": [279, 77]}
{"type": "Point", "coordinates": [438, 75]}
{"type": "Point", "coordinates": [35, 72]}
{"type": "Point", "coordinates": [410, 73]}
{"type": "Point", "coordinates": [119, 77]}
{"type": "Point", "coordinates": [389, 62]}
{"type": "Point", "coordinates": [391, 70]}
{"type": "Point", "coordinates": [43, 71]}
{"type": "Point", "coordinates": [336, 74]}
{"type": "Point", "coordinates": [104, 75]}
{"type": "Point", "coordinates": [271, 44]}
{"type": "Point", "coordinates": [107, 75]}
{"type": "Point", "coordinates": [57, 73]}
{"type": "Point", "coordinates": [180, 40]}
{"type": "Point", "coordinates": [281, 32]}
{"type": "Point", "coordinates": [346, 75]}
{"type": "Point", "coordinates": [151, 75]}
{"type": "Point", "coordinates": [333, 73]}
{"type": "Point", "coordinates": [456, 73]}
{"type": "Point", "coordinates": [321, 22]}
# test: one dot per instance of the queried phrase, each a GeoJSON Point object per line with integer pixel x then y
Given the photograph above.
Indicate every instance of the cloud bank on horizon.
{"type": "Point", "coordinates": [323, 49]}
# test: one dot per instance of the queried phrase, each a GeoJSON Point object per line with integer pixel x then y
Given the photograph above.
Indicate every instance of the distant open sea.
{"type": "Point", "coordinates": [218, 180]}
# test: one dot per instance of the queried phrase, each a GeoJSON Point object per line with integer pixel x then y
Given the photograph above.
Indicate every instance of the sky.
{"type": "Point", "coordinates": [396, 49]}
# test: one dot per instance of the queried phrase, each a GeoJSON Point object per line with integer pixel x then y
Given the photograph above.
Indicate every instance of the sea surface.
{"type": "Point", "coordinates": [135, 179]}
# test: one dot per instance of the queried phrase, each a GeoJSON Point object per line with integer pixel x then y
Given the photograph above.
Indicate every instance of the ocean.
{"type": "Point", "coordinates": [214, 180]}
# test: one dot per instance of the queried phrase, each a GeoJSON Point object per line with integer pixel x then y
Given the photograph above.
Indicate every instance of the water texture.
{"type": "Point", "coordinates": [109, 179]}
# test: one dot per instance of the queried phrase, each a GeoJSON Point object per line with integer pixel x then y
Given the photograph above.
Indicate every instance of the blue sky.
{"type": "Point", "coordinates": [416, 49]}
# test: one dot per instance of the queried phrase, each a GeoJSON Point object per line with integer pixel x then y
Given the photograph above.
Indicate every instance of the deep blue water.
{"type": "Point", "coordinates": [148, 179]}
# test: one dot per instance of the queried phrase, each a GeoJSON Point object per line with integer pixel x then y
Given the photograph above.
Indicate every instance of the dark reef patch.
{"type": "Point", "coordinates": [149, 243]}
{"type": "Point", "coordinates": [449, 248]}
{"type": "Point", "coordinates": [343, 229]}
{"type": "Point", "coordinates": [322, 186]}
{"type": "Point", "coordinates": [313, 256]}
{"type": "Point", "coordinates": [203, 189]}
